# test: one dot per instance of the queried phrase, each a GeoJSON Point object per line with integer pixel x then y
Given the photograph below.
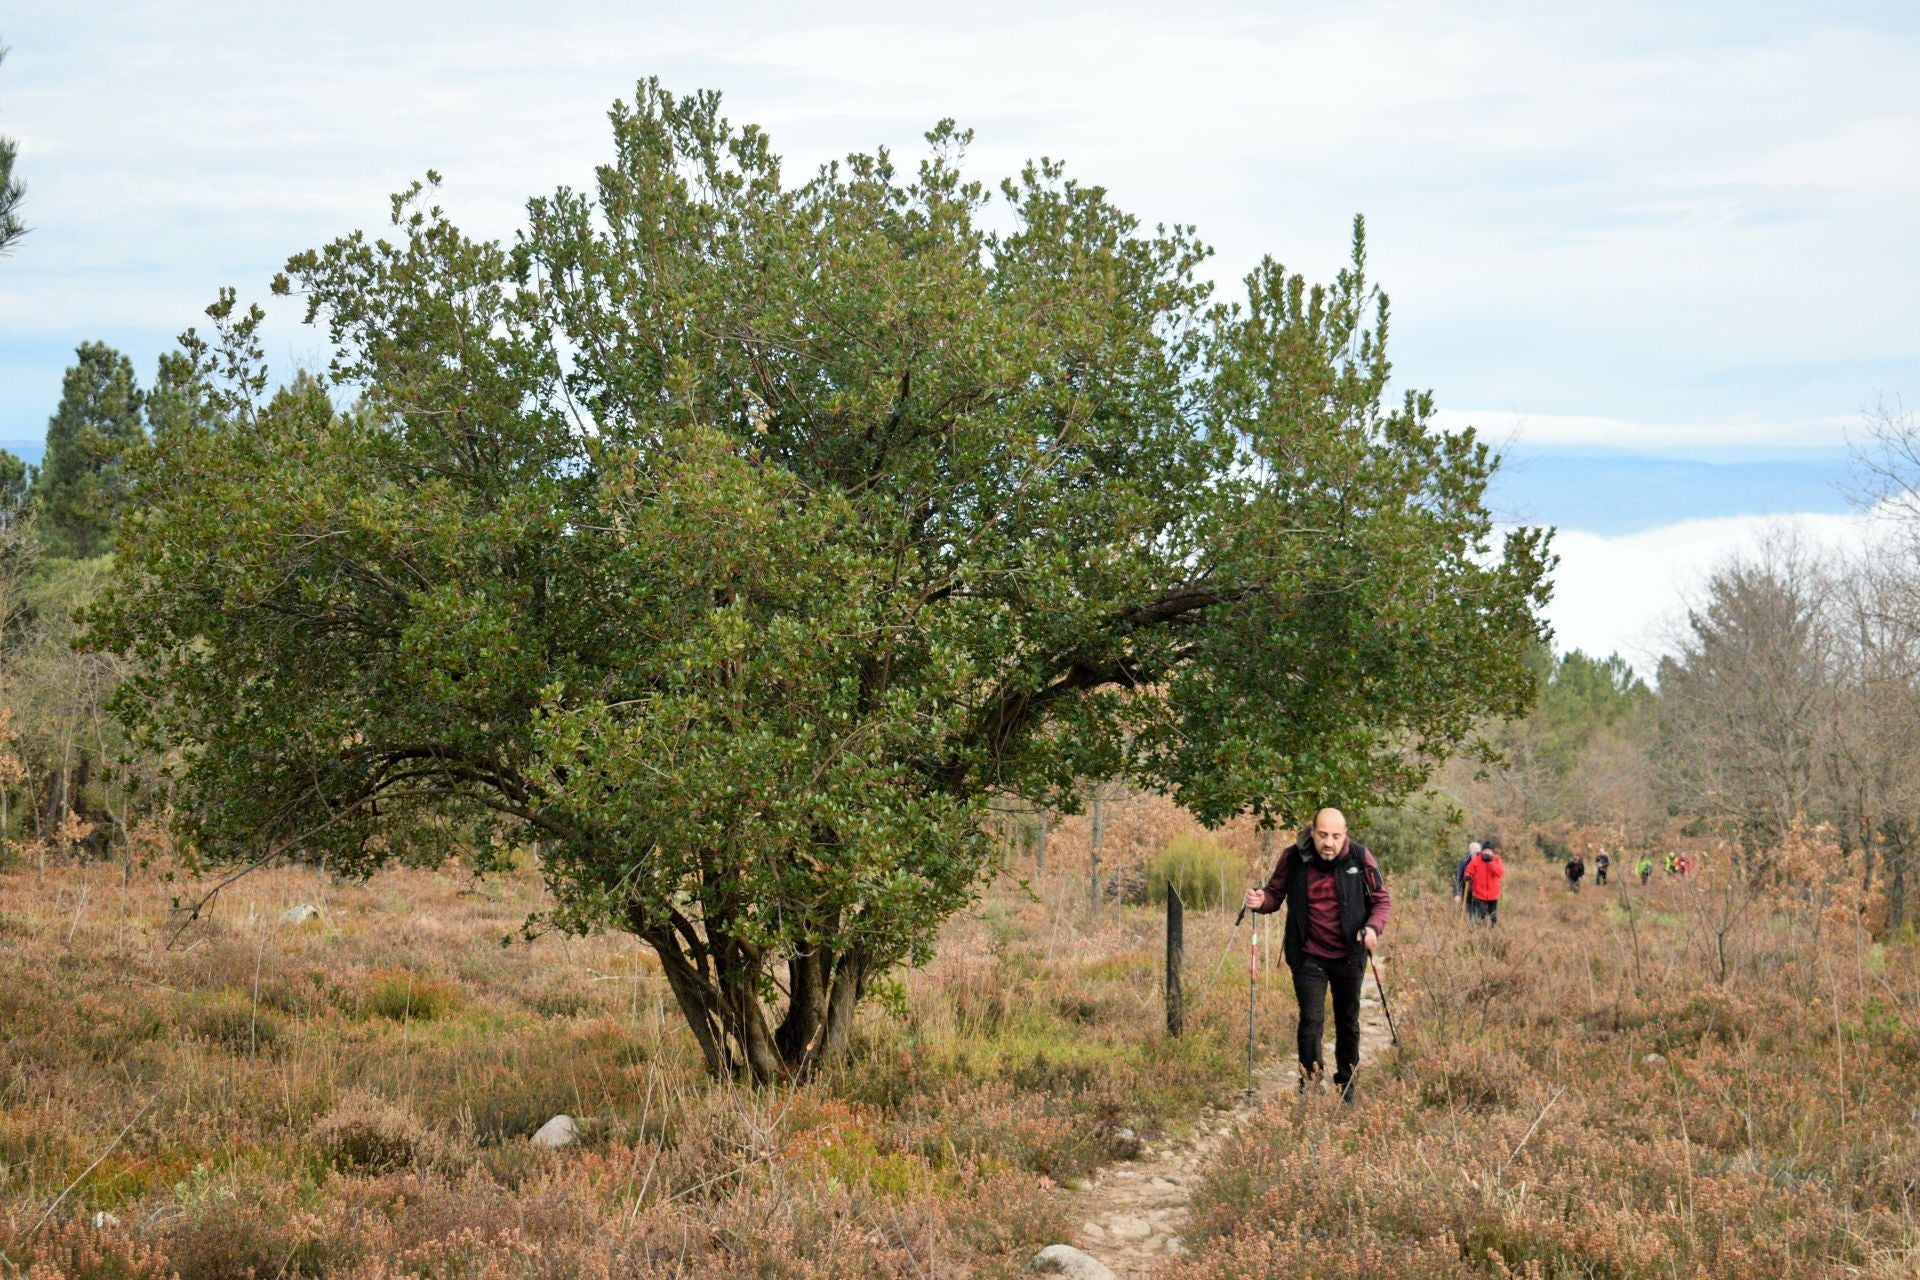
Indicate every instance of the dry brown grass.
{"type": "Point", "coordinates": [1524, 1130]}
{"type": "Point", "coordinates": [353, 1096]}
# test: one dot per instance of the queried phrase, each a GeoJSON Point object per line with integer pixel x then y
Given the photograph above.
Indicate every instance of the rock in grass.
{"type": "Point", "coordinates": [1065, 1260]}
{"type": "Point", "coordinates": [561, 1131]}
{"type": "Point", "coordinates": [104, 1221]}
{"type": "Point", "coordinates": [301, 914]}
{"type": "Point", "coordinates": [1654, 1060]}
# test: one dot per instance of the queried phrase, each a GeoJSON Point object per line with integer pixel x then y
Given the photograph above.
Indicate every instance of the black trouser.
{"type": "Point", "coordinates": [1483, 909]}
{"type": "Point", "coordinates": [1600, 876]}
{"type": "Point", "coordinates": [1313, 978]}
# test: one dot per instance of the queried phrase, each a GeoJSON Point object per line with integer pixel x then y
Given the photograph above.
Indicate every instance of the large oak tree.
{"type": "Point", "coordinates": [739, 539]}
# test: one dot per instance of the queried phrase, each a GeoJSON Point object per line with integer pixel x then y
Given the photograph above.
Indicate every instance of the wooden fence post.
{"type": "Point", "coordinates": [1097, 810]}
{"type": "Point", "coordinates": [1176, 951]}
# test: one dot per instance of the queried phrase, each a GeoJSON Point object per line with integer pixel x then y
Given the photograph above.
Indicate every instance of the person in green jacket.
{"type": "Point", "coordinates": [1644, 868]}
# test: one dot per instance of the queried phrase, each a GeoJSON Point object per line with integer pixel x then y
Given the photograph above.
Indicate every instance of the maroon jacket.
{"type": "Point", "coordinates": [1360, 893]}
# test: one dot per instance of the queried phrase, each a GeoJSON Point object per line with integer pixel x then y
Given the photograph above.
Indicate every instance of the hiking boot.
{"type": "Point", "coordinates": [1349, 1089]}
{"type": "Point", "coordinates": [1310, 1076]}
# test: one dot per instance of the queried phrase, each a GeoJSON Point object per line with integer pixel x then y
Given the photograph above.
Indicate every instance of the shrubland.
{"type": "Point", "coordinates": [353, 1096]}
{"type": "Point", "coordinates": [1578, 1092]}
{"type": "Point", "coordinates": [1586, 1090]}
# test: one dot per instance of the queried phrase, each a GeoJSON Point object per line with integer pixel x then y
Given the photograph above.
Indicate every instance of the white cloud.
{"type": "Point", "coordinates": [1629, 595]}
{"type": "Point", "coordinates": [1559, 430]}
{"type": "Point", "coordinates": [1596, 209]}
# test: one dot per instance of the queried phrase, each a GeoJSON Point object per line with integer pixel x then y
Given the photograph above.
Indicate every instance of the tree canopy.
{"type": "Point", "coordinates": [1747, 706]}
{"type": "Point", "coordinates": [15, 477]}
{"type": "Point", "coordinates": [83, 482]}
{"type": "Point", "coordinates": [737, 540]}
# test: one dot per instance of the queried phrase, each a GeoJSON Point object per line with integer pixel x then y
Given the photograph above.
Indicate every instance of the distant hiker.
{"type": "Point", "coordinates": [1337, 908]}
{"type": "Point", "coordinates": [1600, 865]}
{"type": "Point", "coordinates": [1644, 868]}
{"type": "Point", "coordinates": [1460, 872]}
{"type": "Point", "coordinates": [1485, 870]}
{"type": "Point", "coordinates": [1576, 871]}
{"type": "Point", "coordinates": [1673, 864]}
{"type": "Point", "coordinates": [1683, 866]}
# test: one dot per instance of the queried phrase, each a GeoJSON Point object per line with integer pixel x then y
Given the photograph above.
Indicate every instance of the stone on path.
{"type": "Point", "coordinates": [1065, 1260]}
{"type": "Point", "coordinates": [1124, 1226]}
{"type": "Point", "coordinates": [561, 1131]}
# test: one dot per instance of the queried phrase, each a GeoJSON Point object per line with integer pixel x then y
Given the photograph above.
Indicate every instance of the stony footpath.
{"type": "Point", "coordinates": [1132, 1215]}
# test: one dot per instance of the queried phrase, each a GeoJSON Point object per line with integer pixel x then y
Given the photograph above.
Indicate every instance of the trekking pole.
{"type": "Point", "coordinates": [1221, 963]}
{"type": "Point", "coordinates": [1383, 998]}
{"type": "Point", "coordinates": [1253, 978]}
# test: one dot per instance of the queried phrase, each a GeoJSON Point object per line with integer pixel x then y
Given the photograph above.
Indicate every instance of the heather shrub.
{"type": "Point", "coordinates": [365, 1133]}
{"type": "Point", "coordinates": [71, 1249]}
{"type": "Point", "coordinates": [234, 1022]}
{"type": "Point", "coordinates": [405, 995]}
{"type": "Point", "coordinates": [1561, 1106]}
{"type": "Point", "coordinates": [1555, 1108]}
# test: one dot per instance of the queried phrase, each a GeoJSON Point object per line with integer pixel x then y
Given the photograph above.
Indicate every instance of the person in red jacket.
{"type": "Point", "coordinates": [1337, 908]}
{"type": "Point", "coordinates": [1484, 873]}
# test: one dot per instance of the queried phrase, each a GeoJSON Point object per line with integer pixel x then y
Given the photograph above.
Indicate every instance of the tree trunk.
{"type": "Point", "coordinates": [1897, 895]}
{"type": "Point", "coordinates": [1899, 834]}
{"type": "Point", "coordinates": [694, 994]}
{"type": "Point", "coordinates": [806, 1004]}
{"type": "Point", "coordinates": [739, 971]}
{"type": "Point", "coordinates": [716, 981]}
{"type": "Point", "coordinates": [849, 984]}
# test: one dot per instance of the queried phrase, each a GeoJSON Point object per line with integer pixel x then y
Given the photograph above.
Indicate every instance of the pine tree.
{"type": "Point", "coordinates": [11, 191]}
{"type": "Point", "coordinates": [15, 476]}
{"type": "Point", "coordinates": [82, 482]}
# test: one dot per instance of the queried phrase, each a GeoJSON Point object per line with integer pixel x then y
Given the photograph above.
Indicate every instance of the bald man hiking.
{"type": "Point", "coordinates": [1337, 907]}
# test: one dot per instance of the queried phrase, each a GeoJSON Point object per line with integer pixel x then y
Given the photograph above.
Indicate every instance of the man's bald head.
{"type": "Point", "coordinates": [1330, 833]}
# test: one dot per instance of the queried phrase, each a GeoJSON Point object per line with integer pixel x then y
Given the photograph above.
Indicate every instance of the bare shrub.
{"type": "Point", "coordinates": [365, 1133]}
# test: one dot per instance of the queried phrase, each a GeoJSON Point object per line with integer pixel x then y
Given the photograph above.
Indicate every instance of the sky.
{"type": "Point", "coordinates": [1661, 254]}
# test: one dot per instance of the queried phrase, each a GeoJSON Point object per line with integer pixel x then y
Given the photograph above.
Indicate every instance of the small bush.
{"type": "Point", "coordinates": [405, 995]}
{"type": "Point", "coordinates": [559, 1000]}
{"type": "Point", "coordinates": [1205, 872]}
{"type": "Point", "coordinates": [231, 1021]}
{"type": "Point", "coordinates": [364, 1133]}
